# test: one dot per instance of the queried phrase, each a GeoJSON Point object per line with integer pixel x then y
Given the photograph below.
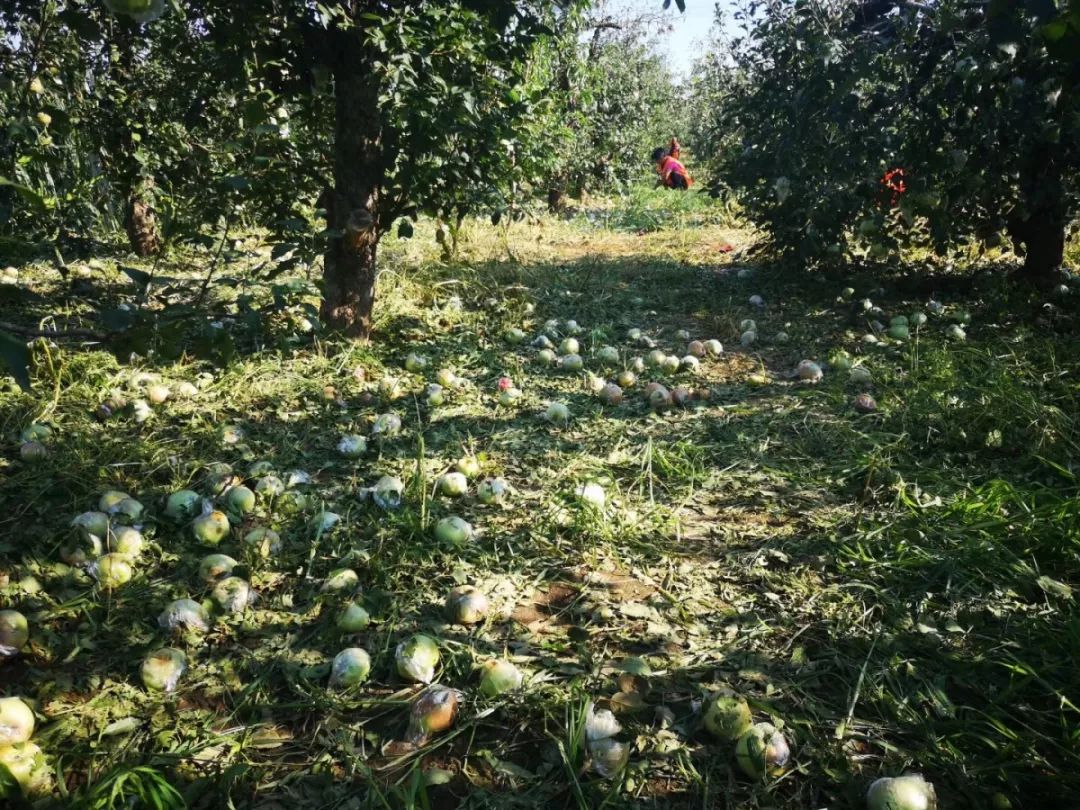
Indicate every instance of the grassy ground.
{"type": "Point", "coordinates": [893, 590]}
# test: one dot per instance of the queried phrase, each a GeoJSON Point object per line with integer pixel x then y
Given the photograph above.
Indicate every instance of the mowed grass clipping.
{"type": "Point", "coordinates": [894, 590]}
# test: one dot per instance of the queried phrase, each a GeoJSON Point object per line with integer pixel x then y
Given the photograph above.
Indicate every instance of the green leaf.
{"type": "Point", "coordinates": [1054, 588]}
{"type": "Point", "coordinates": [636, 610]}
{"type": "Point", "coordinates": [282, 249]}
{"type": "Point", "coordinates": [124, 725]}
{"type": "Point", "coordinates": [507, 768]}
{"type": "Point", "coordinates": [437, 776]}
{"type": "Point", "coordinates": [28, 194]}
{"type": "Point", "coordinates": [1066, 48]}
{"type": "Point", "coordinates": [15, 355]}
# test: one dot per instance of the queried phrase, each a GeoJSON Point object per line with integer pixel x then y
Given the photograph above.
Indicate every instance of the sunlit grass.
{"type": "Point", "coordinates": [894, 587]}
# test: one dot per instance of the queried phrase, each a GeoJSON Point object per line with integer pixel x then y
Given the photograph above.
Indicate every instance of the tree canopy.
{"type": "Point", "coordinates": [975, 104]}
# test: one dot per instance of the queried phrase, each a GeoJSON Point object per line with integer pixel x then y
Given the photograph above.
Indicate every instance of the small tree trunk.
{"type": "Point", "coordinates": [349, 269]}
{"type": "Point", "coordinates": [1043, 239]}
{"type": "Point", "coordinates": [1042, 230]}
{"type": "Point", "coordinates": [140, 221]}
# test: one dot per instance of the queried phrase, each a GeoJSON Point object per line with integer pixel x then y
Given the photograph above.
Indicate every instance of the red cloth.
{"type": "Point", "coordinates": [893, 185]}
{"type": "Point", "coordinates": [670, 166]}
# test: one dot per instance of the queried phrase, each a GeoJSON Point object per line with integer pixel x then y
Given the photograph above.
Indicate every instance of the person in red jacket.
{"type": "Point", "coordinates": [672, 173]}
{"type": "Point", "coordinates": [893, 185]}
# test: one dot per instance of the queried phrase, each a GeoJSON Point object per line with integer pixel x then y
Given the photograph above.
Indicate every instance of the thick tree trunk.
{"type": "Point", "coordinates": [349, 270]}
{"type": "Point", "coordinates": [1044, 247]}
{"type": "Point", "coordinates": [140, 221]}
{"type": "Point", "coordinates": [1041, 240]}
{"type": "Point", "coordinates": [1041, 231]}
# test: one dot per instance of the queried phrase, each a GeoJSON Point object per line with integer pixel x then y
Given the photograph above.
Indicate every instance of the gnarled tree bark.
{"type": "Point", "coordinates": [349, 271]}
{"type": "Point", "coordinates": [139, 219]}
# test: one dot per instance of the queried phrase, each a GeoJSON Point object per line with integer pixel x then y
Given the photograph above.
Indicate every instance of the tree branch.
{"type": "Point", "coordinates": [870, 12]}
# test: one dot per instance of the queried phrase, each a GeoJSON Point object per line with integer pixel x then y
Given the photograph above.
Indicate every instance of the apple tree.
{"type": "Point", "coordinates": [109, 125]}
{"type": "Point", "coordinates": [419, 102]}
{"type": "Point", "coordinates": [616, 99]}
{"type": "Point", "coordinates": [975, 104]}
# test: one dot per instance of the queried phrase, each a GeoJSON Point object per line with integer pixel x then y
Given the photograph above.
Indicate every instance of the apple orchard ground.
{"type": "Point", "coordinates": [893, 589]}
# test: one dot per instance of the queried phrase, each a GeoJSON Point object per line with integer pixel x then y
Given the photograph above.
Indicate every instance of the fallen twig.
{"type": "Point", "coordinates": [63, 334]}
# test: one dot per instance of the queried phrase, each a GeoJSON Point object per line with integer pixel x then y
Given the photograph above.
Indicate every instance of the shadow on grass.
{"type": "Point", "coordinates": [828, 612]}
